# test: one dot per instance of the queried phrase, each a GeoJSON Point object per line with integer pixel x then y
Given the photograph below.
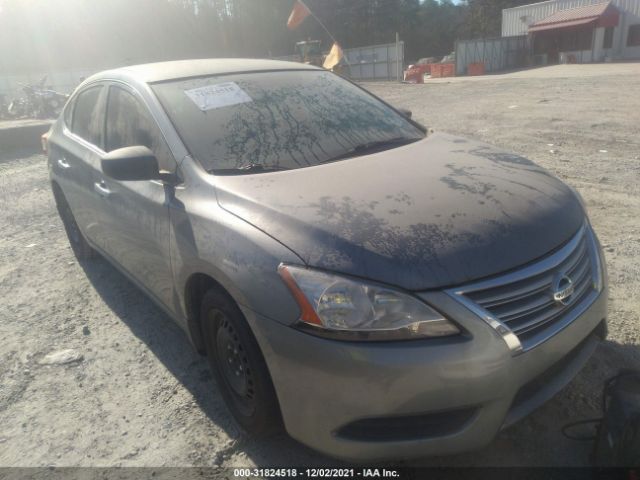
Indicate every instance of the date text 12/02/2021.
{"type": "Point", "coordinates": [315, 473]}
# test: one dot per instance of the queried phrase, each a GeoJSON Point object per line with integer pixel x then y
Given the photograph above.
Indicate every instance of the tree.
{"type": "Point", "coordinates": [42, 35]}
{"type": "Point", "coordinates": [484, 17]}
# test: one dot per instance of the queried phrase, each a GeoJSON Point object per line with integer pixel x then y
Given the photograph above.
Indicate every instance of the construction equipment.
{"type": "Point", "coordinates": [310, 52]}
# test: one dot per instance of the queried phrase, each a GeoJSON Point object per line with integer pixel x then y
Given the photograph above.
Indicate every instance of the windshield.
{"type": "Point", "coordinates": [267, 121]}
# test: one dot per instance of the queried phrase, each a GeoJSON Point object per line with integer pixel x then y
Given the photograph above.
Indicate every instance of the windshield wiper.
{"type": "Point", "coordinates": [248, 168]}
{"type": "Point", "coordinates": [369, 146]}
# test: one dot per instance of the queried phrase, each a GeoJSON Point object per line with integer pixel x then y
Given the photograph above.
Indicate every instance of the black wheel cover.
{"type": "Point", "coordinates": [233, 362]}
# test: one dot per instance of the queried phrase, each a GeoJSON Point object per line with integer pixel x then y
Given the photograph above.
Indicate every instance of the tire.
{"type": "Point", "coordinates": [238, 366]}
{"type": "Point", "coordinates": [81, 248]}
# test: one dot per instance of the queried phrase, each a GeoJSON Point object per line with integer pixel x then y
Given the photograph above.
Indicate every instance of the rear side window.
{"type": "Point", "coordinates": [129, 124]}
{"type": "Point", "coordinates": [87, 116]}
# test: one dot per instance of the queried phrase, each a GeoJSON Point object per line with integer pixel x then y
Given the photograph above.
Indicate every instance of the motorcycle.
{"type": "Point", "coordinates": [38, 102]}
{"type": "Point", "coordinates": [18, 108]}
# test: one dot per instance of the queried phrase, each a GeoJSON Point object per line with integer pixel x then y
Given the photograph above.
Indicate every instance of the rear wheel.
{"type": "Point", "coordinates": [78, 242]}
{"type": "Point", "coordinates": [238, 365]}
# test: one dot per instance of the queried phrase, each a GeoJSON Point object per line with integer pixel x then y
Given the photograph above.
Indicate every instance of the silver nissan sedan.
{"type": "Point", "coordinates": [379, 290]}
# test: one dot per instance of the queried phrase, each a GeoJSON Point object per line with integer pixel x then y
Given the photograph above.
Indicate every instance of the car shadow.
{"type": "Point", "coordinates": [168, 342]}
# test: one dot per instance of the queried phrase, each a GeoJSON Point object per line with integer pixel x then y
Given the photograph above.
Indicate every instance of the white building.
{"type": "Point", "coordinates": [577, 30]}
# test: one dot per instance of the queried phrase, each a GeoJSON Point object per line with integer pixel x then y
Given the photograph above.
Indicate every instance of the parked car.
{"type": "Point", "coordinates": [378, 290]}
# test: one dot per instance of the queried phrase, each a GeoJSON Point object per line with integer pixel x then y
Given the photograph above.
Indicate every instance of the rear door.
{"type": "Point", "coordinates": [136, 213]}
{"type": "Point", "coordinates": [75, 156]}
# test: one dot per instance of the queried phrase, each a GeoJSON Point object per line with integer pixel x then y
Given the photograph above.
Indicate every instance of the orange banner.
{"type": "Point", "coordinates": [334, 57]}
{"type": "Point", "coordinates": [298, 14]}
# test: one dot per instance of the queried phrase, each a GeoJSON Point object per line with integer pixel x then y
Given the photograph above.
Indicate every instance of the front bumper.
{"type": "Point", "coordinates": [325, 387]}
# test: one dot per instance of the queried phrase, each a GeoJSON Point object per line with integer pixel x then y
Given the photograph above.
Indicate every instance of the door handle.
{"type": "Point", "coordinates": [62, 163]}
{"type": "Point", "coordinates": [101, 188]}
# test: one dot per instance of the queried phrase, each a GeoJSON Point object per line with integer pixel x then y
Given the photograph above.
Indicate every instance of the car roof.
{"type": "Point", "coordinates": [162, 71]}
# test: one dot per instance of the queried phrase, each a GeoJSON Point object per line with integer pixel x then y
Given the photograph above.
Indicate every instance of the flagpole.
{"type": "Point", "coordinates": [318, 20]}
{"type": "Point", "coordinates": [325, 29]}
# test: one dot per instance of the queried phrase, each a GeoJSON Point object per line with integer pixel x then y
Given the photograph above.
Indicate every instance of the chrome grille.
{"type": "Point", "coordinates": [523, 301]}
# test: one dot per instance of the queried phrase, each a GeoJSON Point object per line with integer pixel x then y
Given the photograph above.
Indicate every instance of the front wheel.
{"type": "Point", "coordinates": [238, 366]}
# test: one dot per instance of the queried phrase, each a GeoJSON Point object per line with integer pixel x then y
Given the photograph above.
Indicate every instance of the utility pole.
{"type": "Point", "coordinates": [398, 64]}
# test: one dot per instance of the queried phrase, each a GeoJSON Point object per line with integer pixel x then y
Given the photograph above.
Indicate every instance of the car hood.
{"type": "Point", "coordinates": [438, 212]}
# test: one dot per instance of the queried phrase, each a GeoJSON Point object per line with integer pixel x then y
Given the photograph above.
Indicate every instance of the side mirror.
{"type": "Point", "coordinates": [131, 163]}
{"type": "Point", "coordinates": [405, 112]}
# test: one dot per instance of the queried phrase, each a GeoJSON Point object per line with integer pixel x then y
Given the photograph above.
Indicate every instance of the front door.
{"type": "Point", "coordinates": [136, 213]}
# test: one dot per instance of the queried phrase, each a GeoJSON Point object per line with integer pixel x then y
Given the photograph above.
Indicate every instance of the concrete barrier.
{"type": "Point", "coordinates": [22, 137]}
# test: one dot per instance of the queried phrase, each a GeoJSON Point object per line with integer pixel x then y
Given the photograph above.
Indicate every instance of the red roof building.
{"type": "Point", "coordinates": [577, 30]}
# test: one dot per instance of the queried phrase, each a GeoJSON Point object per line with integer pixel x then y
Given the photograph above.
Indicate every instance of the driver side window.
{"type": "Point", "coordinates": [129, 123]}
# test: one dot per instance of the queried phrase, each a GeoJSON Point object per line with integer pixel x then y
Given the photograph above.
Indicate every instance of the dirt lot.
{"type": "Point", "coordinates": [140, 396]}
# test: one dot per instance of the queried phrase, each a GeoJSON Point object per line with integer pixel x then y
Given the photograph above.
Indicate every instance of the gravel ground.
{"type": "Point", "coordinates": [134, 393]}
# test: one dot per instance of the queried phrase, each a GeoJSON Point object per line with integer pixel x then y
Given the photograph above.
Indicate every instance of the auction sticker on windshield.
{"type": "Point", "coordinates": [217, 96]}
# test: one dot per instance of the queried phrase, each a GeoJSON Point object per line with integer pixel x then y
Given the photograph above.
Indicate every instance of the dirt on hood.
{"type": "Point", "coordinates": [437, 212]}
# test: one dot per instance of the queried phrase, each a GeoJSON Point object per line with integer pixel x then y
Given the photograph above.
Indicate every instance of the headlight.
{"type": "Point", "coordinates": [355, 310]}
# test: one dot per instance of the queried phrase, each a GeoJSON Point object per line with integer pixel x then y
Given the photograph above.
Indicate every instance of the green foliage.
{"type": "Point", "coordinates": [484, 17]}
{"type": "Point", "coordinates": [428, 27]}
{"type": "Point", "coordinates": [38, 35]}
